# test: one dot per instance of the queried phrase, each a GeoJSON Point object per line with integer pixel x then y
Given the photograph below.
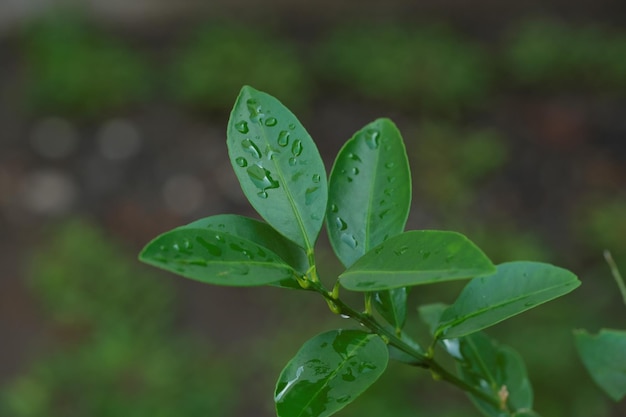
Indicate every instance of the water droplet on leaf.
{"type": "Point", "coordinates": [254, 108]}
{"type": "Point", "coordinates": [242, 127]}
{"type": "Point", "coordinates": [341, 224]}
{"type": "Point", "coordinates": [241, 162]}
{"type": "Point", "coordinates": [251, 148]}
{"type": "Point", "coordinates": [333, 208]}
{"type": "Point", "coordinates": [296, 148]}
{"type": "Point", "coordinates": [316, 178]}
{"type": "Point", "coordinates": [372, 138]}
{"type": "Point", "coordinates": [349, 240]}
{"type": "Point", "coordinates": [271, 121]}
{"type": "Point", "coordinates": [262, 179]}
{"type": "Point", "coordinates": [283, 138]}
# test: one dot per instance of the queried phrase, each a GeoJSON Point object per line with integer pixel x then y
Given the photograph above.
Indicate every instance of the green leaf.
{"type": "Point", "coordinates": [329, 372]}
{"type": "Point", "coordinates": [392, 305]}
{"type": "Point", "coordinates": [497, 370]}
{"type": "Point", "coordinates": [215, 257]}
{"type": "Point", "coordinates": [604, 356]}
{"type": "Point", "coordinates": [431, 314]}
{"type": "Point", "coordinates": [278, 166]}
{"type": "Point", "coordinates": [262, 234]}
{"type": "Point", "coordinates": [369, 201]}
{"type": "Point", "coordinates": [416, 258]}
{"type": "Point", "coordinates": [369, 191]}
{"type": "Point", "coordinates": [514, 288]}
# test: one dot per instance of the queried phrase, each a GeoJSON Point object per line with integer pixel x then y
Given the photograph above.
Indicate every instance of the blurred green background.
{"type": "Point", "coordinates": [112, 130]}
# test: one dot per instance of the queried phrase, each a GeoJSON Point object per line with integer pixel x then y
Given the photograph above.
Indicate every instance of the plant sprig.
{"type": "Point", "coordinates": [365, 204]}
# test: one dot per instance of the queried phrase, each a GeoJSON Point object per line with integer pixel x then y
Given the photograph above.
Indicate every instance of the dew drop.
{"type": "Point", "coordinates": [355, 171]}
{"type": "Point", "coordinates": [254, 108]}
{"type": "Point", "coordinates": [176, 247]}
{"type": "Point", "coordinates": [378, 250]}
{"type": "Point", "coordinates": [354, 157]}
{"type": "Point", "coordinates": [187, 244]}
{"type": "Point", "coordinates": [372, 138]}
{"type": "Point", "coordinates": [242, 127]}
{"type": "Point", "coordinates": [162, 248]}
{"type": "Point", "coordinates": [316, 178]}
{"type": "Point", "coordinates": [309, 195]}
{"type": "Point", "coordinates": [390, 164]}
{"type": "Point", "coordinates": [292, 161]}
{"type": "Point", "coordinates": [219, 237]}
{"type": "Point", "coordinates": [251, 148]}
{"type": "Point", "coordinates": [262, 194]}
{"type": "Point", "coordinates": [296, 148]}
{"type": "Point", "coordinates": [341, 224]}
{"type": "Point", "coordinates": [333, 208]}
{"type": "Point", "coordinates": [271, 121]}
{"type": "Point", "coordinates": [214, 250]}
{"type": "Point", "coordinates": [261, 178]}
{"type": "Point", "coordinates": [349, 240]}
{"type": "Point", "coordinates": [391, 179]}
{"type": "Point", "coordinates": [292, 126]}
{"type": "Point", "coordinates": [283, 138]}
{"type": "Point", "coordinates": [241, 162]}
{"type": "Point", "coordinates": [401, 251]}
{"type": "Point", "coordinates": [383, 213]}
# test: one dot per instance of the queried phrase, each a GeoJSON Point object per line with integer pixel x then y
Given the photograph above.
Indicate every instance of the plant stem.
{"type": "Point", "coordinates": [616, 274]}
{"type": "Point", "coordinates": [422, 360]}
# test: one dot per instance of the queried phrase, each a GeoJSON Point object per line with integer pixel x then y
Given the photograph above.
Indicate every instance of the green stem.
{"type": "Point", "coordinates": [421, 360]}
{"type": "Point", "coordinates": [616, 274]}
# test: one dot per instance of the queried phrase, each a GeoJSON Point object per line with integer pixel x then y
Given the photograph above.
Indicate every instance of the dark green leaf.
{"type": "Point", "coordinates": [369, 191]}
{"type": "Point", "coordinates": [604, 356]}
{"type": "Point", "coordinates": [514, 288]}
{"type": "Point", "coordinates": [262, 234]}
{"type": "Point", "coordinates": [431, 313]}
{"type": "Point", "coordinates": [329, 372]}
{"type": "Point", "coordinates": [215, 257]}
{"type": "Point", "coordinates": [278, 166]}
{"type": "Point", "coordinates": [416, 258]}
{"type": "Point", "coordinates": [391, 305]}
{"type": "Point", "coordinates": [369, 201]}
{"type": "Point", "coordinates": [497, 370]}
{"type": "Point", "coordinates": [401, 356]}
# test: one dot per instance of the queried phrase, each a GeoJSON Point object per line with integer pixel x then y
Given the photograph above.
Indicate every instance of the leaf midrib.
{"type": "Point", "coordinates": [453, 323]}
{"type": "Point", "coordinates": [290, 199]}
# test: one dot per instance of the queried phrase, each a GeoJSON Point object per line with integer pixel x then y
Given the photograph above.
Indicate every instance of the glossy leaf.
{"type": "Point", "coordinates": [391, 305]}
{"type": "Point", "coordinates": [262, 234]}
{"type": "Point", "coordinates": [431, 314]}
{"type": "Point", "coordinates": [329, 372]}
{"type": "Point", "coordinates": [604, 356]}
{"type": "Point", "coordinates": [278, 166]}
{"type": "Point", "coordinates": [400, 355]}
{"type": "Point", "coordinates": [215, 257]}
{"type": "Point", "coordinates": [369, 191]}
{"type": "Point", "coordinates": [513, 289]}
{"type": "Point", "coordinates": [369, 201]}
{"type": "Point", "coordinates": [497, 370]}
{"type": "Point", "coordinates": [415, 258]}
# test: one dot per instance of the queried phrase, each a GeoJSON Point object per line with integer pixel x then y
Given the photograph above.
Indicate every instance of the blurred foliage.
{"type": "Point", "coordinates": [211, 67]}
{"type": "Point", "coordinates": [74, 69]}
{"type": "Point", "coordinates": [123, 358]}
{"type": "Point", "coordinates": [426, 68]}
{"type": "Point", "coordinates": [553, 56]}
{"type": "Point", "coordinates": [451, 161]}
{"type": "Point", "coordinates": [600, 224]}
